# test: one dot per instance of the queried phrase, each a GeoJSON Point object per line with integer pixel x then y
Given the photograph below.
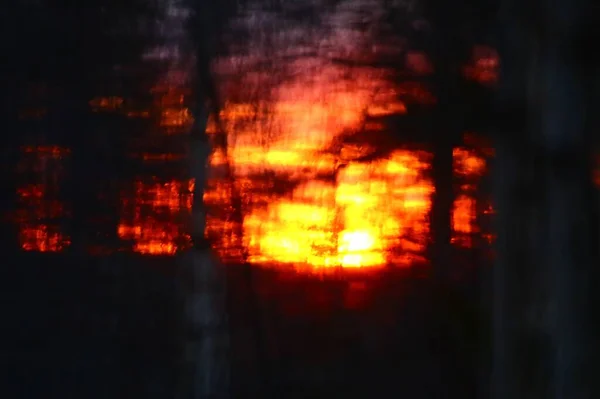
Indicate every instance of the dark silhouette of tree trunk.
{"type": "Point", "coordinates": [445, 137]}
{"type": "Point", "coordinates": [208, 23]}
{"type": "Point", "coordinates": [10, 155]}
{"type": "Point", "coordinates": [452, 37]}
{"type": "Point", "coordinates": [206, 366]}
{"type": "Point", "coordinates": [546, 273]}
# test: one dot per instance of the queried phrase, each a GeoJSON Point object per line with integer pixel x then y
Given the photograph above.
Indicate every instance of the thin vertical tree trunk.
{"type": "Point", "coordinates": [448, 51]}
{"type": "Point", "coordinates": [208, 20]}
{"type": "Point", "coordinates": [10, 157]}
{"type": "Point", "coordinates": [207, 367]}
{"type": "Point", "coordinates": [510, 219]}
{"type": "Point", "coordinates": [207, 339]}
{"type": "Point", "coordinates": [441, 210]}
{"type": "Point", "coordinates": [507, 225]}
{"type": "Point", "coordinates": [444, 137]}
